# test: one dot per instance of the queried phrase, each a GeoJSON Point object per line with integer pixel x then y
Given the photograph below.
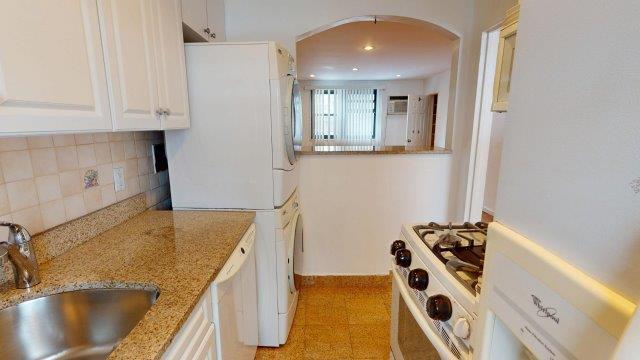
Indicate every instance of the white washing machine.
{"type": "Point", "coordinates": [280, 234]}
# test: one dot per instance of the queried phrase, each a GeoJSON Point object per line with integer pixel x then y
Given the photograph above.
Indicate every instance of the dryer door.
{"type": "Point", "coordinates": [292, 100]}
{"type": "Point", "coordinates": [294, 252]}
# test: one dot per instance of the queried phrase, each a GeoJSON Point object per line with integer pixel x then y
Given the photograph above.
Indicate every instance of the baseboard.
{"type": "Point", "coordinates": [346, 281]}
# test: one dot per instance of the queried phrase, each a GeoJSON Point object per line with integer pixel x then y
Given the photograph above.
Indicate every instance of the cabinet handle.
{"type": "Point", "coordinates": [166, 112]}
{"type": "Point", "coordinates": [213, 35]}
{"type": "Point", "coordinates": [159, 112]}
{"type": "Point", "coordinates": [207, 30]}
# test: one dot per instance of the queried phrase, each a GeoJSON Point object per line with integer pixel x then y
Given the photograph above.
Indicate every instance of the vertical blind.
{"type": "Point", "coordinates": [344, 116]}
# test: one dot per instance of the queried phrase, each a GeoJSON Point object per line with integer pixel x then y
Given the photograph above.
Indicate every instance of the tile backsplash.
{"type": "Point", "coordinates": [48, 180]}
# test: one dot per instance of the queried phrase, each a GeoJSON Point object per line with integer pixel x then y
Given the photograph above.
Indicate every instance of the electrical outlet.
{"type": "Point", "coordinates": [118, 178]}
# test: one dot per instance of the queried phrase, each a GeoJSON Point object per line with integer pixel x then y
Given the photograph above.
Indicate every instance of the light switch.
{"type": "Point", "coordinates": [118, 178]}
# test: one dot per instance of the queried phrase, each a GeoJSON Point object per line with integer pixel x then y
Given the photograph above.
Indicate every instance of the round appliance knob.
{"type": "Point", "coordinates": [418, 279]}
{"type": "Point", "coordinates": [439, 307]}
{"type": "Point", "coordinates": [397, 245]}
{"type": "Point", "coordinates": [461, 328]}
{"type": "Point", "coordinates": [403, 258]}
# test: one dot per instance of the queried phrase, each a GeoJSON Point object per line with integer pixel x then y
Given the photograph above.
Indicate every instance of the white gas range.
{"type": "Point", "coordinates": [437, 276]}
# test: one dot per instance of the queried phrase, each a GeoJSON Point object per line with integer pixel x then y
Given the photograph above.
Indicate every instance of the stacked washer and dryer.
{"type": "Point", "coordinates": [239, 155]}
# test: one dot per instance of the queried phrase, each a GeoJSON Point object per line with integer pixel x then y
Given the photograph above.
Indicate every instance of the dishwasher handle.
{"type": "Point", "coordinates": [238, 257]}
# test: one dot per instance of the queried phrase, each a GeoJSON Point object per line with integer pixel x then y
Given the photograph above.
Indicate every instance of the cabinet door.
{"type": "Point", "coordinates": [129, 49]}
{"type": "Point", "coordinates": [52, 71]}
{"type": "Point", "coordinates": [194, 15]}
{"type": "Point", "coordinates": [216, 21]}
{"type": "Point", "coordinates": [172, 76]}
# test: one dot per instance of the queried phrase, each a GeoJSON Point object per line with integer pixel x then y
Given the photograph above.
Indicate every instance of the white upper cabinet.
{"type": "Point", "coordinates": [205, 19]}
{"type": "Point", "coordinates": [91, 65]}
{"type": "Point", "coordinates": [172, 75]}
{"type": "Point", "coordinates": [129, 50]}
{"type": "Point", "coordinates": [52, 71]}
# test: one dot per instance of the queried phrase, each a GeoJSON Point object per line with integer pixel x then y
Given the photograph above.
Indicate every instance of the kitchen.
{"type": "Point", "coordinates": [124, 81]}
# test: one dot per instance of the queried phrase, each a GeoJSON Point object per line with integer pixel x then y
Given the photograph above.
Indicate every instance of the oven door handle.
{"type": "Point", "coordinates": [420, 319]}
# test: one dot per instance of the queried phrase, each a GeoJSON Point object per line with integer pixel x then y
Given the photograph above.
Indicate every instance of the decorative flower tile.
{"type": "Point", "coordinates": [90, 178]}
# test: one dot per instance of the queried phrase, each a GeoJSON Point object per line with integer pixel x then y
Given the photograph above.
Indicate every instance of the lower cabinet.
{"type": "Point", "coordinates": [196, 339]}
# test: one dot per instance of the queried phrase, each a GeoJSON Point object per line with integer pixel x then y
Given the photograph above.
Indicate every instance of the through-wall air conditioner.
{"type": "Point", "coordinates": [397, 105]}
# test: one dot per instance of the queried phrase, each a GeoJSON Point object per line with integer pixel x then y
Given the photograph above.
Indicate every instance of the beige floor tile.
{"type": "Point", "coordinates": [321, 296]}
{"type": "Point", "coordinates": [363, 348]}
{"type": "Point", "coordinates": [321, 329]}
{"type": "Point", "coordinates": [326, 315]}
{"type": "Point", "coordinates": [292, 350]}
{"type": "Point", "coordinates": [369, 331]}
{"type": "Point", "coordinates": [370, 341]}
{"type": "Point", "coordinates": [368, 314]}
{"type": "Point", "coordinates": [300, 316]}
{"type": "Point", "coordinates": [327, 342]}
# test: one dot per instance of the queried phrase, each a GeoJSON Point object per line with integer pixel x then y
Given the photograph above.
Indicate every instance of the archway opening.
{"type": "Point", "coordinates": [377, 81]}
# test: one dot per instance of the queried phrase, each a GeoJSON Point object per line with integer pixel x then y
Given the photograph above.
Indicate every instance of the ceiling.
{"type": "Point", "coordinates": [409, 50]}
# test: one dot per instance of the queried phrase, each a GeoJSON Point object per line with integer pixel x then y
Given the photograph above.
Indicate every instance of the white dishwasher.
{"type": "Point", "coordinates": [235, 303]}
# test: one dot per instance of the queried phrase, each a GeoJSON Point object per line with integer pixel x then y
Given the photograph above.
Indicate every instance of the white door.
{"type": "Point", "coordinates": [129, 49]}
{"type": "Point", "coordinates": [296, 247]}
{"type": "Point", "coordinates": [290, 118]}
{"type": "Point", "coordinates": [172, 77]}
{"type": "Point", "coordinates": [52, 71]}
{"type": "Point", "coordinates": [416, 120]}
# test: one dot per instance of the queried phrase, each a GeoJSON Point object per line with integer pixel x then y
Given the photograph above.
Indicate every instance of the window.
{"type": "Point", "coordinates": [344, 116]}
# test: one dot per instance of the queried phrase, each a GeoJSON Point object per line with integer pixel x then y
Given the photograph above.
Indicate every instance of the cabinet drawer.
{"type": "Point", "coordinates": [196, 335]}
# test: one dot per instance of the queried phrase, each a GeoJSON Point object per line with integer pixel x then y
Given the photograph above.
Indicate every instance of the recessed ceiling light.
{"type": "Point", "coordinates": [312, 75]}
{"type": "Point", "coordinates": [355, 69]}
{"type": "Point", "coordinates": [398, 75]}
{"type": "Point", "coordinates": [368, 48]}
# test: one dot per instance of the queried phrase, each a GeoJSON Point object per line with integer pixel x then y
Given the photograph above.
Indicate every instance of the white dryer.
{"type": "Point", "coordinates": [238, 152]}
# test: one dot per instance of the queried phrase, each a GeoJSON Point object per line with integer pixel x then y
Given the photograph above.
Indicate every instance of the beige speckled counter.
{"type": "Point", "coordinates": [367, 150]}
{"type": "Point", "coordinates": [177, 252]}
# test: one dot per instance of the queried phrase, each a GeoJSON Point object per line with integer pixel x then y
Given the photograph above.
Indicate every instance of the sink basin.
{"type": "Point", "coordinates": [83, 324]}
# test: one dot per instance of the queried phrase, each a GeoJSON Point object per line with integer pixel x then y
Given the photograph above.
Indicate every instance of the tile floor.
{"type": "Point", "coordinates": [338, 322]}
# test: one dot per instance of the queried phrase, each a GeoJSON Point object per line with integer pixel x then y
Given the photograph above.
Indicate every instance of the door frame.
{"type": "Point", "coordinates": [482, 121]}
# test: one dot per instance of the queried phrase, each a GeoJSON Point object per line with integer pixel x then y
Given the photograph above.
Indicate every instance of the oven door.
{"type": "Point", "coordinates": [411, 336]}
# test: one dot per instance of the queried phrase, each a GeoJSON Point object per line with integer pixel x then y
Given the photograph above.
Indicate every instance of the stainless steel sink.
{"type": "Point", "coordinates": [83, 324]}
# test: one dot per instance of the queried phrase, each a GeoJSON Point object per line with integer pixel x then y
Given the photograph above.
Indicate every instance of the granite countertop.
{"type": "Point", "coordinates": [367, 150]}
{"type": "Point", "coordinates": [177, 252]}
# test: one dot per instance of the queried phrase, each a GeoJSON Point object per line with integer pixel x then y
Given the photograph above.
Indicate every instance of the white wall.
{"type": "Point", "coordinates": [354, 206]}
{"type": "Point", "coordinates": [394, 126]}
{"type": "Point", "coordinates": [439, 84]}
{"type": "Point", "coordinates": [498, 122]}
{"type": "Point", "coordinates": [572, 146]}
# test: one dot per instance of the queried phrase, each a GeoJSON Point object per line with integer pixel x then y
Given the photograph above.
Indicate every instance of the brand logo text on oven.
{"type": "Point", "coordinates": [545, 312]}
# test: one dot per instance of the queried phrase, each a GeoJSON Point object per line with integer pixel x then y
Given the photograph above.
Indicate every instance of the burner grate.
{"type": "Point", "coordinates": [461, 247]}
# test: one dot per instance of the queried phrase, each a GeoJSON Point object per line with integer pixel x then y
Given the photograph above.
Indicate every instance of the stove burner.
{"type": "Point", "coordinates": [461, 247]}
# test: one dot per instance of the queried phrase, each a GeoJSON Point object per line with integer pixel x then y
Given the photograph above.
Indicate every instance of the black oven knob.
{"type": "Point", "coordinates": [397, 245]}
{"type": "Point", "coordinates": [418, 279]}
{"type": "Point", "coordinates": [403, 258]}
{"type": "Point", "coordinates": [439, 307]}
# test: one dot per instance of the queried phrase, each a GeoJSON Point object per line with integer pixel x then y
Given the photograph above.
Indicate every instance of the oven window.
{"type": "Point", "coordinates": [413, 343]}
